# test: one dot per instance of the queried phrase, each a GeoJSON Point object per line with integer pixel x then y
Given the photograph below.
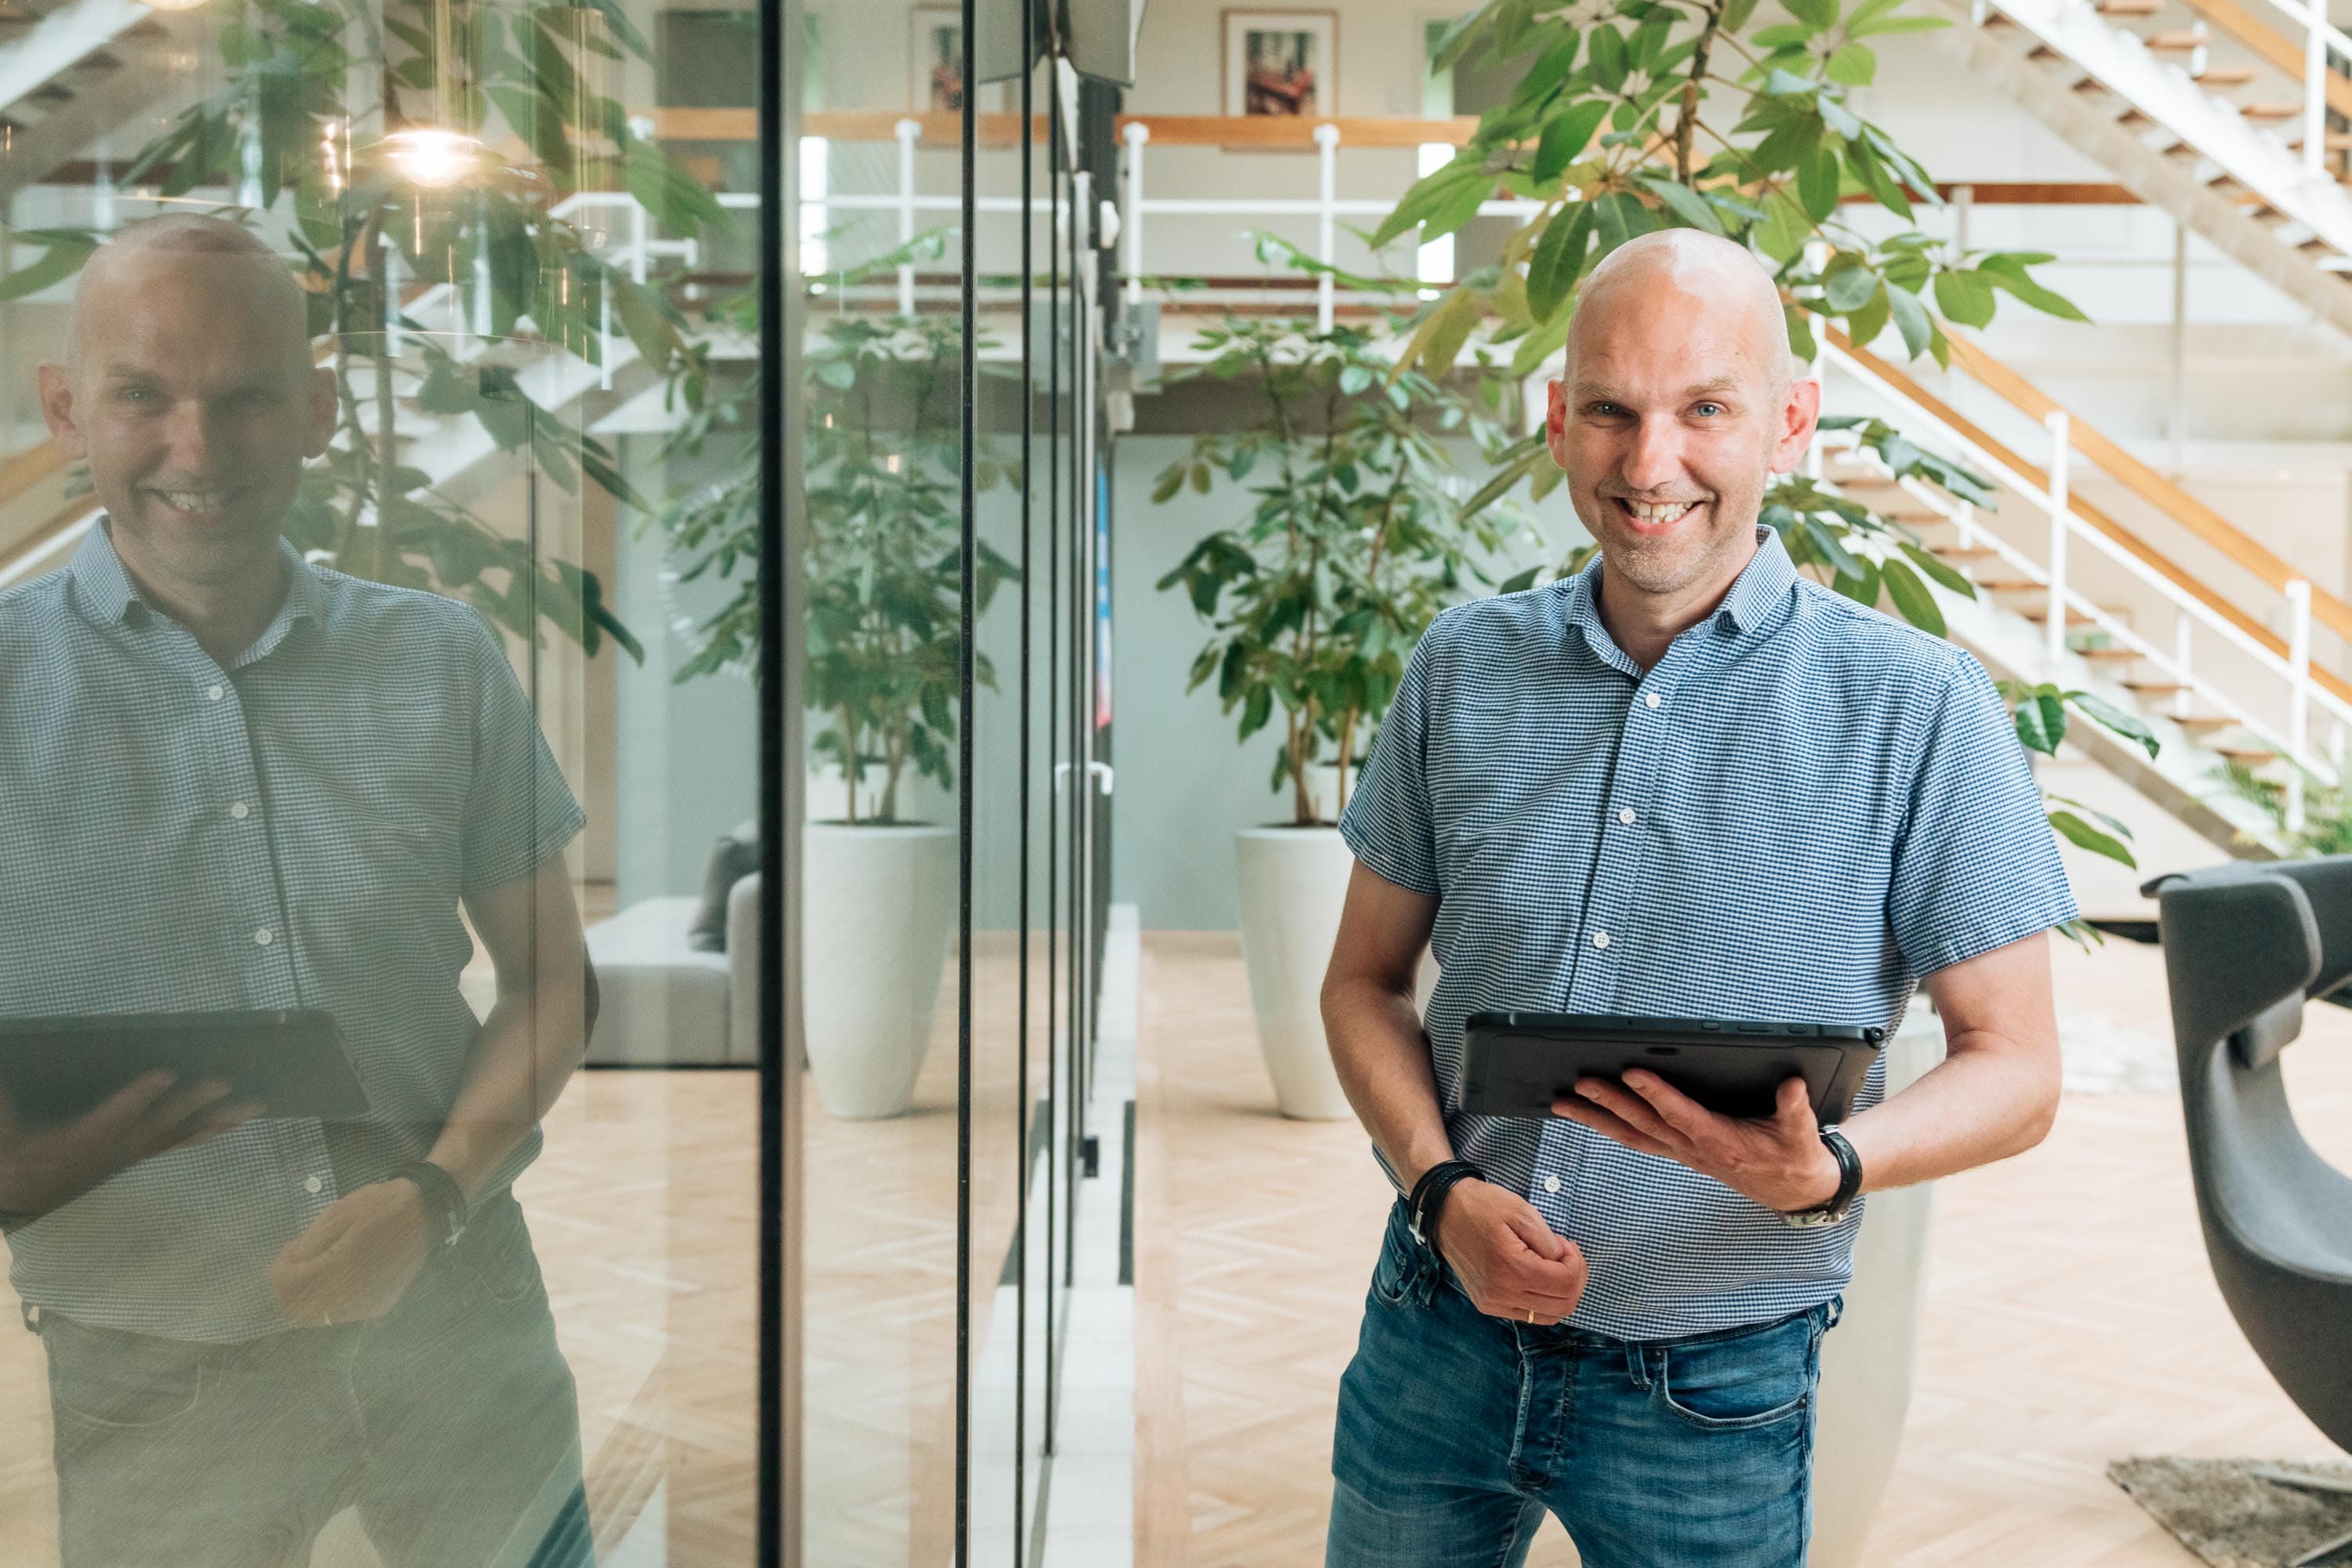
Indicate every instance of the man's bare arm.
{"type": "Point", "coordinates": [1373, 1023]}
{"type": "Point", "coordinates": [1504, 1253]}
{"type": "Point", "coordinates": [536, 1032]}
{"type": "Point", "coordinates": [1994, 1095]}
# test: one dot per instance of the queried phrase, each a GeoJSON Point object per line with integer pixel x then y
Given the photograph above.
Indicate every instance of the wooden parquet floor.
{"type": "Point", "coordinates": [2070, 1317]}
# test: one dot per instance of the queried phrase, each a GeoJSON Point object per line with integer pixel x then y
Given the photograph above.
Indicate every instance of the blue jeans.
{"type": "Point", "coordinates": [1457, 1430]}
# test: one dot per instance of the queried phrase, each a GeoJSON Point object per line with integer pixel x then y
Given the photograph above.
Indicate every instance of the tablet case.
{"type": "Point", "coordinates": [293, 1062]}
{"type": "Point", "coordinates": [1517, 1064]}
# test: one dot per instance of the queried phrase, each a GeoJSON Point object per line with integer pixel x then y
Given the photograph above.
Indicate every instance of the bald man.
{"type": "Point", "coordinates": [1683, 784]}
{"type": "Point", "coordinates": [232, 780]}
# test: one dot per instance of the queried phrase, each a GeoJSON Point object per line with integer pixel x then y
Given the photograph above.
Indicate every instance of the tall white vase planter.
{"type": "Point", "coordinates": [1866, 1360]}
{"type": "Point", "coordinates": [878, 906]}
{"type": "Point", "coordinates": [1291, 883]}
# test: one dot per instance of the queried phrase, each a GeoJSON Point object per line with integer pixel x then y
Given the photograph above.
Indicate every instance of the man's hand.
{"type": "Point", "coordinates": [42, 1167]}
{"type": "Point", "coordinates": [1508, 1258]}
{"type": "Point", "coordinates": [357, 1259]}
{"type": "Point", "coordinates": [1780, 1160]}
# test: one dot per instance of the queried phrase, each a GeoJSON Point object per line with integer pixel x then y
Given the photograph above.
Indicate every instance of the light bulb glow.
{"type": "Point", "coordinates": [432, 158]}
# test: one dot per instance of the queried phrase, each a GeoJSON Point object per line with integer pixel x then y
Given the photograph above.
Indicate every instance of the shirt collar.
{"type": "Point", "coordinates": [105, 593]}
{"type": "Point", "coordinates": [1761, 587]}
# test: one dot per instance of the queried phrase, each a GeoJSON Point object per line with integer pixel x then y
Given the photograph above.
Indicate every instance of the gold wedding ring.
{"type": "Point", "coordinates": [1531, 1315]}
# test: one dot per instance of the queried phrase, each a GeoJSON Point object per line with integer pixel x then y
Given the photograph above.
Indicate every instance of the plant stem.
{"type": "Point", "coordinates": [1688, 117]}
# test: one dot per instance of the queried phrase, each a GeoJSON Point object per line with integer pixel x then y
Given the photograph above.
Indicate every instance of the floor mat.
{"type": "Point", "coordinates": [2230, 1517]}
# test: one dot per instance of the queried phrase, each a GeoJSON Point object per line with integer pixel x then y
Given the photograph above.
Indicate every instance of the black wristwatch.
{"type": "Point", "coordinates": [446, 1209]}
{"type": "Point", "coordinates": [1429, 1196]}
{"type": "Point", "coordinates": [1849, 1165]}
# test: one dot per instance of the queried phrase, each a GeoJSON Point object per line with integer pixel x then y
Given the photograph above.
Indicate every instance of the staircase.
{"type": "Point", "coordinates": [2216, 685]}
{"type": "Point", "coordinates": [71, 72]}
{"type": "Point", "coordinates": [2236, 149]}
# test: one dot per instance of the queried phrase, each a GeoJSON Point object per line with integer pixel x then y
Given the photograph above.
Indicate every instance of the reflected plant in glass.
{"type": "Point", "coordinates": [882, 453]}
{"type": "Point", "coordinates": [442, 177]}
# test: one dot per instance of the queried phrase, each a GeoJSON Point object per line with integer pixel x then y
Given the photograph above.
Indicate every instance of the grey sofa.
{"type": "Point", "coordinates": [666, 1003]}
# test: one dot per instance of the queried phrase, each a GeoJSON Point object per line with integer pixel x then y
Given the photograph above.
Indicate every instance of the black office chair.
{"type": "Point", "coordinates": [2244, 947]}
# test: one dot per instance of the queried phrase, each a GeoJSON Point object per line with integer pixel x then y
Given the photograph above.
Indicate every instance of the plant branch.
{"type": "Point", "coordinates": [1687, 119]}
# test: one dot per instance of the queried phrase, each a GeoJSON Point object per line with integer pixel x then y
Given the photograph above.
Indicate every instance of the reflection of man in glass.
{"type": "Point", "coordinates": [230, 779]}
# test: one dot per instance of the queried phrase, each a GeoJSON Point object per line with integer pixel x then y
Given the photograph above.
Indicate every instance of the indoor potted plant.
{"type": "Point", "coordinates": [1357, 537]}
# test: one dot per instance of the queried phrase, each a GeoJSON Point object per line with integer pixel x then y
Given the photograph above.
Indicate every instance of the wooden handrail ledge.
{"type": "Point", "coordinates": [2149, 486]}
{"type": "Point", "coordinates": [2275, 47]}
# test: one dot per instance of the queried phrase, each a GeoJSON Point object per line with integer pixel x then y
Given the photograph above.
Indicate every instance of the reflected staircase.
{"type": "Point", "coordinates": [72, 71]}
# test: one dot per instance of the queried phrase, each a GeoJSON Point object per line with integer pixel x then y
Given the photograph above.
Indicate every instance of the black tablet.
{"type": "Point", "coordinates": [290, 1062]}
{"type": "Point", "coordinates": [1518, 1063]}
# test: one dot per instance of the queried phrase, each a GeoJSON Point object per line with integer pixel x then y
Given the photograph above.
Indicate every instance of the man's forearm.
{"type": "Point", "coordinates": [1384, 1063]}
{"type": "Point", "coordinates": [1989, 1100]}
{"type": "Point", "coordinates": [528, 1049]}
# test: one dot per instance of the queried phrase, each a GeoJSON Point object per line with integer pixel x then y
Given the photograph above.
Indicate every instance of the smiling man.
{"type": "Point", "coordinates": [1683, 784]}
{"type": "Point", "coordinates": [233, 780]}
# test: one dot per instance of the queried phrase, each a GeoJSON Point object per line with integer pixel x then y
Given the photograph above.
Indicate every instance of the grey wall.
{"type": "Point", "coordinates": [1185, 784]}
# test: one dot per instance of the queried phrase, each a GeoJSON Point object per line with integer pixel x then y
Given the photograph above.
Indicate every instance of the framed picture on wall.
{"type": "Point", "coordinates": [1282, 63]}
{"type": "Point", "coordinates": [935, 63]}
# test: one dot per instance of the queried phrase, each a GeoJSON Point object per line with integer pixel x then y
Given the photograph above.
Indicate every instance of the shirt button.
{"type": "Point", "coordinates": [1552, 1184]}
{"type": "Point", "coordinates": [1625, 813]}
{"type": "Point", "coordinates": [264, 937]}
{"type": "Point", "coordinates": [1600, 937]}
{"type": "Point", "coordinates": [240, 811]}
{"type": "Point", "coordinates": [1649, 699]}
{"type": "Point", "coordinates": [311, 1184]}
{"type": "Point", "coordinates": [212, 693]}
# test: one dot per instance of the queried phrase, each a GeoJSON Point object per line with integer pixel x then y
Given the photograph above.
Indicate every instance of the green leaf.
{"type": "Point", "coordinates": [1817, 183]}
{"type": "Point", "coordinates": [1864, 325]}
{"type": "Point", "coordinates": [1910, 319]}
{"type": "Point", "coordinates": [1736, 14]}
{"type": "Point", "coordinates": [2084, 835]}
{"type": "Point", "coordinates": [1781, 35]}
{"type": "Point", "coordinates": [1964, 297]}
{"type": "Point", "coordinates": [1897, 25]}
{"type": "Point", "coordinates": [1912, 598]}
{"type": "Point", "coordinates": [1818, 15]}
{"type": "Point", "coordinates": [1558, 260]}
{"type": "Point", "coordinates": [1447, 329]}
{"type": "Point", "coordinates": [2041, 720]}
{"type": "Point", "coordinates": [1848, 283]}
{"type": "Point", "coordinates": [1605, 58]}
{"type": "Point", "coordinates": [1863, 589]}
{"type": "Point", "coordinates": [1801, 334]}
{"type": "Point", "coordinates": [1853, 65]}
{"type": "Point", "coordinates": [1565, 138]}
{"type": "Point", "coordinates": [1942, 570]}
{"type": "Point", "coordinates": [2107, 715]}
{"type": "Point", "coordinates": [1686, 204]}
{"type": "Point", "coordinates": [1431, 191]}
{"type": "Point", "coordinates": [2004, 273]}
{"type": "Point", "coordinates": [61, 261]}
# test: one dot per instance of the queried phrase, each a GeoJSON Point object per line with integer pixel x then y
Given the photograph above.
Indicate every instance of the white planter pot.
{"type": "Point", "coordinates": [879, 907]}
{"type": "Point", "coordinates": [1290, 883]}
{"type": "Point", "coordinates": [1866, 1360]}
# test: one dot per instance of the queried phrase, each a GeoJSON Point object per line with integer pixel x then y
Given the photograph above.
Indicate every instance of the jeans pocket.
{"type": "Point", "coordinates": [505, 1268]}
{"type": "Point", "coordinates": [105, 1380]}
{"type": "Point", "coordinates": [1399, 1277]}
{"type": "Point", "coordinates": [1741, 1382]}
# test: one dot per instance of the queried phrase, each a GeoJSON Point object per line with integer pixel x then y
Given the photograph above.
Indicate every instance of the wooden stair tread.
{"type": "Point", "coordinates": [2011, 586]}
{"type": "Point", "coordinates": [2194, 721]}
{"type": "Point", "coordinates": [2154, 688]}
{"type": "Point", "coordinates": [2176, 41]}
{"type": "Point", "coordinates": [2251, 757]}
{"type": "Point", "coordinates": [2117, 655]}
{"type": "Point", "coordinates": [2223, 76]}
{"type": "Point", "coordinates": [2271, 111]}
{"type": "Point", "coordinates": [2129, 7]}
{"type": "Point", "coordinates": [1962, 552]}
{"type": "Point", "coordinates": [2333, 141]}
{"type": "Point", "coordinates": [2075, 617]}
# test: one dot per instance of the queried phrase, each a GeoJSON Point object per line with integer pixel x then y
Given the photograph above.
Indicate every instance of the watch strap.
{"type": "Point", "coordinates": [1849, 1165]}
{"type": "Point", "coordinates": [445, 1208]}
{"type": "Point", "coordinates": [1429, 1196]}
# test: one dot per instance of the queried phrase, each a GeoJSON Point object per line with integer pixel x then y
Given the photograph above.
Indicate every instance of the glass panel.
{"type": "Point", "coordinates": [375, 548]}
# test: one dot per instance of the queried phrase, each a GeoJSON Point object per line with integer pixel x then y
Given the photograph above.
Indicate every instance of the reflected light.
{"type": "Point", "coordinates": [173, 4]}
{"type": "Point", "coordinates": [431, 157]}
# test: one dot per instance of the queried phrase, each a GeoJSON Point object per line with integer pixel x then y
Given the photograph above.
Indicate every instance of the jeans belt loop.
{"type": "Point", "coordinates": [1637, 1363]}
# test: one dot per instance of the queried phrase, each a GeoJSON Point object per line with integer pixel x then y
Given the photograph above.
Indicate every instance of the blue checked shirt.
{"type": "Point", "coordinates": [1801, 810]}
{"type": "Point", "coordinates": [296, 828]}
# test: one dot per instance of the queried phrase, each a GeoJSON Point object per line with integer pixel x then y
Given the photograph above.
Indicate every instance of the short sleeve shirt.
{"type": "Point", "coordinates": [1802, 808]}
{"type": "Point", "coordinates": [295, 828]}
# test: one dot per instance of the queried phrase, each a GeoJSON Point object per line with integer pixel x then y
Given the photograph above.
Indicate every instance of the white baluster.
{"type": "Point", "coordinates": [1138, 133]}
{"type": "Point", "coordinates": [1327, 223]}
{"type": "Point", "coordinates": [2298, 713]}
{"type": "Point", "coordinates": [2181, 623]}
{"type": "Point", "coordinates": [2060, 452]}
{"type": "Point", "coordinates": [2315, 88]}
{"type": "Point", "coordinates": [909, 130]}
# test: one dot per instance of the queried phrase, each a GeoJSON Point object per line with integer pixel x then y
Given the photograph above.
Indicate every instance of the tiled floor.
{"type": "Point", "coordinates": [2070, 1317]}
